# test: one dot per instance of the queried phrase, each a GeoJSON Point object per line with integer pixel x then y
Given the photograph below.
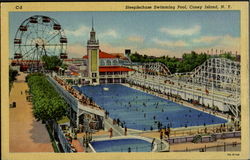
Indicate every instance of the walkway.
{"type": "Point", "coordinates": [26, 134]}
{"type": "Point", "coordinates": [77, 145]}
{"type": "Point", "coordinates": [117, 130]}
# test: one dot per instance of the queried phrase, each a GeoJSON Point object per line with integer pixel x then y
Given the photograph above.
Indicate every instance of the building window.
{"type": "Point", "coordinates": [110, 73]}
{"type": "Point", "coordinates": [115, 62]}
{"type": "Point", "coordinates": [94, 74]}
{"type": "Point", "coordinates": [108, 63]}
{"type": "Point", "coordinates": [102, 63]}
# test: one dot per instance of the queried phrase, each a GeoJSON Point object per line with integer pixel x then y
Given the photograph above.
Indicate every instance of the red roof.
{"type": "Point", "coordinates": [74, 73]}
{"type": "Point", "coordinates": [68, 60]}
{"type": "Point", "coordinates": [85, 57]}
{"type": "Point", "coordinates": [24, 60]}
{"type": "Point", "coordinates": [102, 55]}
{"type": "Point", "coordinates": [114, 69]}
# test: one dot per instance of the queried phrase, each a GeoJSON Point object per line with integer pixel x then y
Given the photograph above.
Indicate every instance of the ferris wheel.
{"type": "Point", "coordinates": [39, 36]}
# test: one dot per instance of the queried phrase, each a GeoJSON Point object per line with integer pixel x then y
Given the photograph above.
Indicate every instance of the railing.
{"type": "Point", "coordinates": [91, 109]}
{"type": "Point", "coordinates": [113, 76]}
{"type": "Point", "coordinates": [71, 100]}
{"type": "Point", "coordinates": [62, 139]}
{"type": "Point", "coordinates": [219, 147]}
{"type": "Point", "coordinates": [211, 138]}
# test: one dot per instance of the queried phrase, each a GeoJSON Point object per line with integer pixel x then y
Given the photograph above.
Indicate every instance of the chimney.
{"type": "Point", "coordinates": [127, 52]}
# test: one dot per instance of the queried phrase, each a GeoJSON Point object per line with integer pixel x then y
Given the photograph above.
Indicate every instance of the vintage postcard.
{"type": "Point", "coordinates": [130, 80]}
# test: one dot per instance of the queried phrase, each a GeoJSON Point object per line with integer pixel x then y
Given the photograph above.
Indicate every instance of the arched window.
{"type": "Point", "coordinates": [102, 63]}
{"type": "Point", "coordinates": [115, 62]}
{"type": "Point", "coordinates": [108, 62]}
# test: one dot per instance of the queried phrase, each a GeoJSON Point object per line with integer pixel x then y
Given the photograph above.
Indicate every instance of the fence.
{"type": "Point", "coordinates": [62, 139]}
{"type": "Point", "coordinates": [210, 138]}
{"type": "Point", "coordinates": [219, 147]}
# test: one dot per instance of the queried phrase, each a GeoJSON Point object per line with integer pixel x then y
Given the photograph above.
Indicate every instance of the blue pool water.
{"type": "Point", "coordinates": [142, 111]}
{"type": "Point", "coordinates": [122, 145]}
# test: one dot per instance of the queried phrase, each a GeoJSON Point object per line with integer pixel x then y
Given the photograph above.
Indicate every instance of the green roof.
{"type": "Point", "coordinates": [64, 119]}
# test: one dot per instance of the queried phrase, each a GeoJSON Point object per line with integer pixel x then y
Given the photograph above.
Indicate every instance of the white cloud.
{"type": "Point", "coordinates": [168, 43]}
{"type": "Point", "coordinates": [109, 33]}
{"type": "Point", "coordinates": [206, 39]}
{"type": "Point", "coordinates": [76, 50]}
{"type": "Point", "coordinates": [158, 52]}
{"type": "Point", "coordinates": [226, 42]}
{"type": "Point", "coordinates": [106, 47]}
{"type": "Point", "coordinates": [181, 31]}
{"type": "Point", "coordinates": [137, 39]}
{"type": "Point", "coordinates": [148, 51]}
{"type": "Point", "coordinates": [82, 30]}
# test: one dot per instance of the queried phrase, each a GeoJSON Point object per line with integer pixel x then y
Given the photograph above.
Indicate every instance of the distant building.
{"type": "Point", "coordinates": [110, 68]}
{"type": "Point", "coordinates": [93, 58]}
{"type": "Point", "coordinates": [98, 66]}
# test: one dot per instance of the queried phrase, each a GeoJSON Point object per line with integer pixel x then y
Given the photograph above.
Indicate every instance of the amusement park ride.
{"type": "Point", "coordinates": [216, 81]}
{"type": "Point", "coordinates": [38, 36]}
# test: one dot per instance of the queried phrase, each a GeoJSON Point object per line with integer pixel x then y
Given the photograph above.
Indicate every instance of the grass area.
{"type": "Point", "coordinates": [64, 119]}
{"type": "Point", "coordinates": [54, 145]}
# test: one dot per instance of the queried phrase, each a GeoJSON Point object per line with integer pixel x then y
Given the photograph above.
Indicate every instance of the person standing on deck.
{"type": "Point", "coordinates": [111, 132]}
{"type": "Point", "coordinates": [126, 130]}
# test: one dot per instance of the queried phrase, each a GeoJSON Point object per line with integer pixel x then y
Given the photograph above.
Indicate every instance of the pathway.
{"type": "Point", "coordinates": [117, 130]}
{"type": "Point", "coordinates": [26, 134]}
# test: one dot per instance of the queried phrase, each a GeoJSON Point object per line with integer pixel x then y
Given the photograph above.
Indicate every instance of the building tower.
{"type": "Point", "coordinates": [93, 57]}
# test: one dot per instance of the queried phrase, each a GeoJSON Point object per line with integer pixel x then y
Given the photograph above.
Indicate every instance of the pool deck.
{"type": "Point", "coordinates": [77, 145]}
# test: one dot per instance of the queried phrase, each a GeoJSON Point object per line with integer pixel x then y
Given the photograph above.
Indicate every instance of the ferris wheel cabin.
{"type": "Point", "coordinates": [17, 56]}
{"type": "Point", "coordinates": [57, 27]}
{"type": "Point", "coordinates": [63, 56]}
{"type": "Point", "coordinates": [63, 40]}
{"type": "Point", "coordinates": [23, 28]}
{"type": "Point", "coordinates": [46, 19]}
{"type": "Point", "coordinates": [33, 20]}
{"type": "Point", "coordinates": [17, 41]}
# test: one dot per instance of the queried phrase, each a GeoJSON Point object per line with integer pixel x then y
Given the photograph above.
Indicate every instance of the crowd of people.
{"type": "Point", "coordinates": [178, 99]}
{"type": "Point", "coordinates": [80, 96]}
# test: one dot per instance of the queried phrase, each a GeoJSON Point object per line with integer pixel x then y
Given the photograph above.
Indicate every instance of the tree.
{"type": "Point", "coordinates": [187, 63]}
{"type": "Point", "coordinates": [64, 66]}
{"type": "Point", "coordinates": [51, 62]}
{"type": "Point", "coordinates": [228, 55]}
{"type": "Point", "coordinates": [47, 104]}
{"type": "Point", "coordinates": [12, 77]}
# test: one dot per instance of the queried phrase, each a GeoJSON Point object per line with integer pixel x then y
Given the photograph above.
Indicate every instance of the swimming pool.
{"type": "Point", "coordinates": [122, 145]}
{"type": "Point", "coordinates": [143, 111]}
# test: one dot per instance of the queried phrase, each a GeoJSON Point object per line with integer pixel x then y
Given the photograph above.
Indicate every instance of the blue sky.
{"type": "Point", "coordinates": [153, 33]}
